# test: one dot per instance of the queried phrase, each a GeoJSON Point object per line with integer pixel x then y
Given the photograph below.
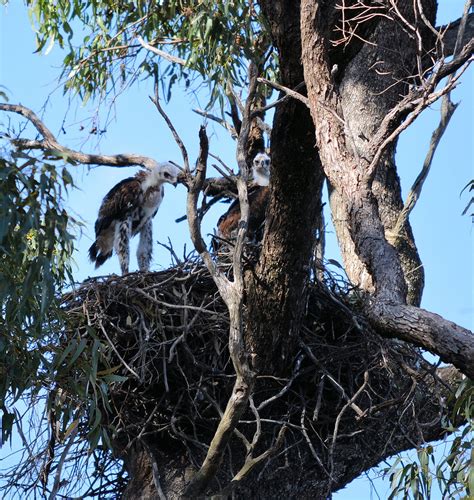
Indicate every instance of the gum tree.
{"type": "Point", "coordinates": [318, 380]}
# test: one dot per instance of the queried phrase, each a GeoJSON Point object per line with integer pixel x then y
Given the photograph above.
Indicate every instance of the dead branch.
{"type": "Point", "coordinates": [195, 186]}
{"type": "Point", "coordinates": [447, 110]}
{"type": "Point", "coordinates": [417, 100]}
{"type": "Point", "coordinates": [51, 146]}
{"type": "Point", "coordinates": [277, 102]}
{"type": "Point", "coordinates": [251, 462]}
{"type": "Point", "coordinates": [286, 90]}
{"type": "Point", "coordinates": [218, 120]}
{"type": "Point", "coordinates": [184, 153]}
{"type": "Point", "coordinates": [161, 53]}
{"type": "Point", "coordinates": [349, 403]}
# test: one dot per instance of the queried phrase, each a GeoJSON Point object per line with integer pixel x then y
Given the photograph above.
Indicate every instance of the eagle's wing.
{"type": "Point", "coordinates": [118, 203]}
{"type": "Point", "coordinates": [258, 200]}
{"type": "Point", "coordinates": [116, 206]}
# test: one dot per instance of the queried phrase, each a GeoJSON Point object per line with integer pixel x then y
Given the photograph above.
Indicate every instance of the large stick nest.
{"type": "Point", "coordinates": [168, 332]}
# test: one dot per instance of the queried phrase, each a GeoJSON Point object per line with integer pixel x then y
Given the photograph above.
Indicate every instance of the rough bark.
{"type": "Point", "coordinates": [370, 84]}
{"type": "Point", "coordinates": [451, 342]}
{"type": "Point", "coordinates": [351, 176]}
{"type": "Point", "coordinates": [276, 290]}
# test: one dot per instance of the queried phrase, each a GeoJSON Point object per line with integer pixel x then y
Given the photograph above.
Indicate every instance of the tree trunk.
{"type": "Point", "coordinates": [370, 84]}
{"type": "Point", "coordinates": [276, 294]}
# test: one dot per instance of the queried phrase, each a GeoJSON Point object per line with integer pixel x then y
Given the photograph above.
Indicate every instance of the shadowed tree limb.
{"type": "Point", "coordinates": [451, 342]}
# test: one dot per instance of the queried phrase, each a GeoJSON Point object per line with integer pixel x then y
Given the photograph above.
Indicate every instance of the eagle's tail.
{"type": "Point", "coordinates": [96, 255]}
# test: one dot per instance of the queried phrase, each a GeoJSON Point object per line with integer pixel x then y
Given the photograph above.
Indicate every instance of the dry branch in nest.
{"type": "Point", "coordinates": [167, 332]}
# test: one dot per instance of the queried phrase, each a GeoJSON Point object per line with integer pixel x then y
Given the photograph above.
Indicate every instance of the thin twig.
{"type": "Point", "coordinates": [447, 110]}
{"type": "Point", "coordinates": [286, 90]}
{"type": "Point", "coordinates": [184, 153]}
{"type": "Point", "coordinates": [218, 120]}
{"type": "Point", "coordinates": [415, 103]}
{"type": "Point", "coordinates": [251, 462]}
{"type": "Point", "coordinates": [155, 471]}
{"type": "Point", "coordinates": [62, 459]}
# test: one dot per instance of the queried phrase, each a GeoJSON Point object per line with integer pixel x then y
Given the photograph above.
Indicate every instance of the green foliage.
{"type": "Point", "coordinates": [216, 38]}
{"type": "Point", "coordinates": [454, 473]}
{"type": "Point", "coordinates": [62, 380]}
{"type": "Point", "coordinates": [35, 245]}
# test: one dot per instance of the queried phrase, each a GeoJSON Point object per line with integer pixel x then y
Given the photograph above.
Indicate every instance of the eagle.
{"type": "Point", "coordinates": [258, 196]}
{"type": "Point", "coordinates": [128, 209]}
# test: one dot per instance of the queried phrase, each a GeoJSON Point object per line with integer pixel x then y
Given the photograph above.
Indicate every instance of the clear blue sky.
{"type": "Point", "coordinates": [443, 236]}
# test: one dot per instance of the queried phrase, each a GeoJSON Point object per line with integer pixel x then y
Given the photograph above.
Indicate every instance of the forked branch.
{"type": "Point", "coordinates": [232, 294]}
{"type": "Point", "coordinates": [447, 110]}
{"type": "Point", "coordinates": [418, 99]}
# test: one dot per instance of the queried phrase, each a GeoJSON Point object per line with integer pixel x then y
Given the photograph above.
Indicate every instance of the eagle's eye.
{"type": "Point", "coordinates": [167, 175]}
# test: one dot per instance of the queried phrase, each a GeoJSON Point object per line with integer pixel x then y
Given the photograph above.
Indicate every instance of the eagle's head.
{"type": "Point", "coordinates": [161, 173]}
{"type": "Point", "coordinates": [261, 169]}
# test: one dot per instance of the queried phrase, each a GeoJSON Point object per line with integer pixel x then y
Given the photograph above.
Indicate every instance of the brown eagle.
{"type": "Point", "coordinates": [258, 195]}
{"type": "Point", "coordinates": [128, 209]}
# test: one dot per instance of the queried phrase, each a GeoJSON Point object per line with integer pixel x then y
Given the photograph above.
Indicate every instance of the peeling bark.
{"type": "Point", "coordinates": [347, 172]}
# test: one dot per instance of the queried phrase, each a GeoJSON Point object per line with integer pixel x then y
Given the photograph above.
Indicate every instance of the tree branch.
{"type": "Point", "coordinates": [415, 102]}
{"type": "Point", "coordinates": [452, 343]}
{"type": "Point", "coordinates": [218, 120]}
{"type": "Point", "coordinates": [447, 110]}
{"type": "Point", "coordinates": [286, 90]}
{"type": "Point", "coordinates": [251, 462]}
{"type": "Point", "coordinates": [161, 53]}
{"type": "Point", "coordinates": [184, 153]}
{"type": "Point", "coordinates": [50, 145]}
{"type": "Point", "coordinates": [451, 34]}
{"type": "Point", "coordinates": [232, 294]}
